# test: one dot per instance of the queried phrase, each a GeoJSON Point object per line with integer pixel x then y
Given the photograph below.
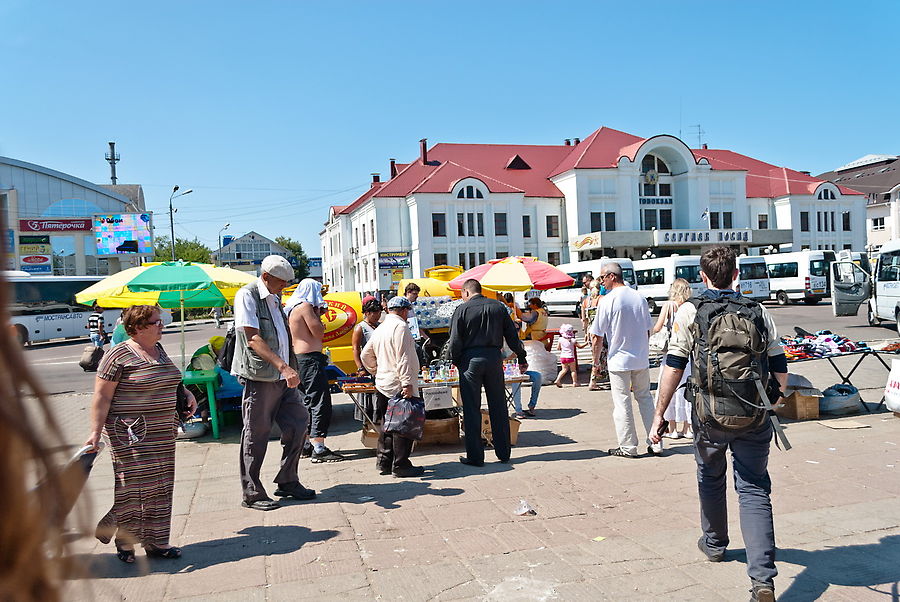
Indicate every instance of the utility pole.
{"type": "Point", "coordinates": [113, 157]}
{"type": "Point", "coordinates": [172, 217]}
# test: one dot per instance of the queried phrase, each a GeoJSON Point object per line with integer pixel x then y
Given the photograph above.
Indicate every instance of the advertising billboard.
{"type": "Point", "coordinates": [35, 254]}
{"type": "Point", "coordinates": [128, 233]}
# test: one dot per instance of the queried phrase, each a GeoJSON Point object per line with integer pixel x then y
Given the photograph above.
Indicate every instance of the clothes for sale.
{"type": "Point", "coordinates": [824, 344]}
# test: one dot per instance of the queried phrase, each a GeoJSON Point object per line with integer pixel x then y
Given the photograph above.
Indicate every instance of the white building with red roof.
{"type": "Point", "coordinates": [613, 194]}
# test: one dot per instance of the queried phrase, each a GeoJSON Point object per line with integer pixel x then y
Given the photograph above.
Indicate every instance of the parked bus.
{"type": "Point", "coordinates": [852, 285]}
{"type": "Point", "coordinates": [753, 278]}
{"type": "Point", "coordinates": [655, 276]}
{"type": "Point", "coordinates": [801, 275]}
{"type": "Point", "coordinates": [44, 308]}
{"type": "Point", "coordinates": [567, 299]}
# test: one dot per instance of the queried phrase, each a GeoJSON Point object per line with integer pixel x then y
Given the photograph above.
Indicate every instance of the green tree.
{"type": "Point", "coordinates": [301, 266]}
{"type": "Point", "coordinates": [188, 250]}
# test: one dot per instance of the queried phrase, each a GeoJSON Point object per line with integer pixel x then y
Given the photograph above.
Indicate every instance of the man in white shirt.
{"type": "Point", "coordinates": [623, 318]}
{"type": "Point", "coordinates": [265, 363]}
{"type": "Point", "coordinates": [391, 356]}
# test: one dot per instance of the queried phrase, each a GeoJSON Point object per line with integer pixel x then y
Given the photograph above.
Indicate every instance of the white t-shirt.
{"type": "Point", "coordinates": [245, 316]}
{"type": "Point", "coordinates": [623, 318]}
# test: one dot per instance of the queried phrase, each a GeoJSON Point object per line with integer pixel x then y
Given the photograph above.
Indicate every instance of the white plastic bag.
{"type": "Point", "coordinates": [892, 388]}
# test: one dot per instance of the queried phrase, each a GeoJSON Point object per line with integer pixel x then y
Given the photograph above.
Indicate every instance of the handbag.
{"type": "Point", "coordinates": [182, 407]}
{"type": "Point", "coordinates": [405, 416]}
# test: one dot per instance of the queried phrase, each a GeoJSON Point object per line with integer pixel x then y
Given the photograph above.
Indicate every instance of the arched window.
{"type": "Point", "coordinates": [654, 163]}
{"type": "Point", "coordinates": [72, 208]}
{"type": "Point", "coordinates": [469, 192]}
{"type": "Point", "coordinates": [826, 195]}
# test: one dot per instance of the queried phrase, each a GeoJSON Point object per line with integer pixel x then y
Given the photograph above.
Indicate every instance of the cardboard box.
{"type": "Point", "coordinates": [369, 437]}
{"type": "Point", "coordinates": [487, 434]}
{"type": "Point", "coordinates": [800, 404]}
{"type": "Point", "coordinates": [440, 430]}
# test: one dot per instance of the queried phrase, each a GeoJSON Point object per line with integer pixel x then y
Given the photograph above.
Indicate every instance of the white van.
{"type": "Point", "coordinates": [851, 285]}
{"type": "Point", "coordinates": [655, 276]}
{"type": "Point", "coordinates": [801, 275]}
{"type": "Point", "coordinates": [568, 299]}
{"type": "Point", "coordinates": [753, 278]}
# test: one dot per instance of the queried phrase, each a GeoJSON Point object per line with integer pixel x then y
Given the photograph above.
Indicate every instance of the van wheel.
{"type": "Point", "coordinates": [782, 298]}
{"type": "Point", "coordinates": [21, 335]}
{"type": "Point", "coordinates": [870, 317]}
{"type": "Point", "coordinates": [811, 300]}
{"type": "Point", "coordinates": [651, 305]}
{"type": "Point", "coordinates": [897, 321]}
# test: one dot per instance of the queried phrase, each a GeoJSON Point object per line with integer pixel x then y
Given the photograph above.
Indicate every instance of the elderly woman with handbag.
{"type": "Point", "coordinates": [136, 392]}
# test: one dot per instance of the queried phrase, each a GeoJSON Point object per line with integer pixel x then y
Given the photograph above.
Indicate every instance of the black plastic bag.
{"type": "Point", "coordinates": [405, 416]}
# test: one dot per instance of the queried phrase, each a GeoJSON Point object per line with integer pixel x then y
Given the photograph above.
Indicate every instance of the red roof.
{"type": "Point", "coordinates": [362, 198]}
{"type": "Point", "coordinates": [763, 179]}
{"type": "Point", "coordinates": [601, 149]}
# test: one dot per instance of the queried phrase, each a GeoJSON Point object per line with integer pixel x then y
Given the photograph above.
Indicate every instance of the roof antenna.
{"type": "Point", "coordinates": [700, 132]}
{"type": "Point", "coordinates": [113, 157]}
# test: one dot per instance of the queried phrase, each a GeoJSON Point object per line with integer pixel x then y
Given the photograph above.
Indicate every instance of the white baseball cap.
{"type": "Point", "coordinates": [278, 266]}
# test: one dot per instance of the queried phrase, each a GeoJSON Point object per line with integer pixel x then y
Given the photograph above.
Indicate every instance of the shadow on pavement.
{"type": "Point", "coordinates": [557, 413]}
{"type": "Point", "coordinates": [541, 439]}
{"type": "Point", "coordinates": [384, 495]}
{"type": "Point", "coordinates": [866, 565]}
{"type": "Point", "coordinates": [252, 541]}
{"type": "Point", "coordinates": [579, 454]}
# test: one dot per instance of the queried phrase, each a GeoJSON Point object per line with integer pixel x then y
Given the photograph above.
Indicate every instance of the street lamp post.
{"type": "Point", "coordinates": [219, 252]}
{"type": "Point", "coordinates": [172, 217]}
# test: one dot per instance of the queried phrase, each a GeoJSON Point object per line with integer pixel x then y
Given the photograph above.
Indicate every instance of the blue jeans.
{"type": "Point", "coordinates": [536, 380]}
{"type": "Point", "coordinates": [97, 340]}
{"type": "Point", "coordinates": [750, 458]}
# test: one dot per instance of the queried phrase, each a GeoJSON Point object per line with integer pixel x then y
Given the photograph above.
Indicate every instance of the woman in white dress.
{"type": "Point", "coordinates": [679, 411]}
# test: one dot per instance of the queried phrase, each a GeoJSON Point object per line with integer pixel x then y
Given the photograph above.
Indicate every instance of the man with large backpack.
{"type": "Point", "coordinates": [735, 353]}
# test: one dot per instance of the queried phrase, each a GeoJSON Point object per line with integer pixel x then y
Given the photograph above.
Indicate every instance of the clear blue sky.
{"type": "Point", "coordinates": [272, 111]}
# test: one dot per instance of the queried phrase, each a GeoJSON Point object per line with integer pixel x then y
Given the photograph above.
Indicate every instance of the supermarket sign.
{"type": "Point", "coordinates": [55, 225]}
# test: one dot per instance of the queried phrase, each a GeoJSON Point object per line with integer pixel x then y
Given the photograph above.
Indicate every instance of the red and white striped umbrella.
{"type": "Point", "coordinates": [515, 274]}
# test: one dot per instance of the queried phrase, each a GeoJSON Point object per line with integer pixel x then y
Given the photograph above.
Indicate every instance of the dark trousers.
{"type": "Point", "coordinates": [314, 391]}
{"type": "Point", "coordinates": [393, 449]}
{"type": "Point", "coordinates": [750, 458]}
{"type": "Point", "coordinates": [264, 402]}
{"type": "Point", "coordinates": [483, 367]}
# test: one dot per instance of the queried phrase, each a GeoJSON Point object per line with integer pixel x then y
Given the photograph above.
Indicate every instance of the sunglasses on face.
{"type": "Point", "coordinates": [156, 323]}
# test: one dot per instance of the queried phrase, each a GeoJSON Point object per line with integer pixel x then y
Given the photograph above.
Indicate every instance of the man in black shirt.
{"type": "Point", "coordinates": [477, 331]}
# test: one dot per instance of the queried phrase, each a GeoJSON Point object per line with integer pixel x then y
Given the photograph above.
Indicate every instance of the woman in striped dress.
{"type": "Point", "coordinates": [134, 404]}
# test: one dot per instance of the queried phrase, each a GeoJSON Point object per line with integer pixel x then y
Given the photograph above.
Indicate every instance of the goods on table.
{"type": "Point", "coordinates": [823, 344]}
{"type": "Point", "coordinates": [429, 313]}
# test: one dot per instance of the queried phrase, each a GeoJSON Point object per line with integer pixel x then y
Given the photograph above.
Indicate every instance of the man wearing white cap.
{"type": "Point", "coordinates": [264, 362]}
{"type": "Point", "coordinates": [305, 309]}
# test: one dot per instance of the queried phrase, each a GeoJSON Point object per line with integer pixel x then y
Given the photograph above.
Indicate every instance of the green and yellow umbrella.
{"type": "Point", "coordinates": [169, 284]}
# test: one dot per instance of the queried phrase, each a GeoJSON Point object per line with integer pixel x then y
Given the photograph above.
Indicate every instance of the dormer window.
{"type": "Point", "coordinates": [654, 163]}
{"type": "Point", "coordinates": [469, 192]}
{"type": "Point", "coordinates": [826, 195]}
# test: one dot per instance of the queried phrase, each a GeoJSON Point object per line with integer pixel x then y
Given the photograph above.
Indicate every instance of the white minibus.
{"type": "Point", "coordinates": [800, 275]}
{"type": "Point", "coordinates": [852, 285]}
{"type": "Point", "coordinates": [753, 278]}
{"type": "Point", "coordinates": [568, 299]}
{"type": "Point", "coordinates": [655, 276]}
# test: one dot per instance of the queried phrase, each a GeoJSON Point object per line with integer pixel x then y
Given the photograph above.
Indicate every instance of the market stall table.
{"type": "Point", "coordinates": [845, 379]}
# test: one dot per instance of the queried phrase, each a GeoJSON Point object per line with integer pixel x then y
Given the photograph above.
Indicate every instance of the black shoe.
{"type": "Point", "coordinates": [326, 455]}
{"type": "Point", "coordinates": [469, 462]}
{"type": "Point", "coordinates": [710, 555]}
{"type": "Point", "coordinates": [306, 451]}
{"type": "Point", "coordinates": [296, 491]}
{"type": "Point", "coordinates": [618, 451]}
{"type": "Point", "coordinates": [382, 470]}
{"type": "Point", "coordinates": [263, 504]}
{"type": "Point", "coordinates": [762, 593]}
{"type": "Point", "coordinates": [409, 471]}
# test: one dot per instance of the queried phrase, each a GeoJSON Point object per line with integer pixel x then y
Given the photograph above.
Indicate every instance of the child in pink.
{"type": "Point", "coordinates": [567, 346]}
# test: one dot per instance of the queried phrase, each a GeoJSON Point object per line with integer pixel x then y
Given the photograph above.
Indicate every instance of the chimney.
{"type": "Point", "coordinates": [112, 157]}
{"type": "Point", "coordinates": [806, 173]}
{"type": "Point", "coordinates": [568, 142]}
{"type": "Point", "coordinates": [576, 141]}
{"type": "Point", "coordinates": [376, 177]}
{"type": "Point", "coordinates": [393, 168]}
{"type": "Point", "coordinates": [704, 146]}
{"type": "Point", "coordinates": [423, 150]}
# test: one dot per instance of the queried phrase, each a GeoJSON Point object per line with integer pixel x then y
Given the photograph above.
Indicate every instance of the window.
{"type": "Point", "coordinates": [440, 259]}
{"type": "Point", "coordinates": [469, 192]}
{"type": "Point", "coordinates": [526, 226]}
{"type": "Point", "coordinates": [649, 219]}
{"type": "Point", "coordinates": [552, 226]}
{"type": "Point", "coordinates": [553, 258]}
{"type": "Point", "coordinates": [833, 223]}
{"type": "Point", "coordinates": [481, 258]}
{"type": "Point", "coordinates": [848, 247]}
{"type": "Point", "coordinates": [439, 224]}
{"type": "Point", "coordinates": [500, 224]}
{"type": "Point", "coordinates": [877, 223]}
{"type": "Point", "coordinates": [364, 235]}
{"type": "Point", "coordinates": [826, 195]}
{"type": "Point", "coordinates": [63, 248]}
{"type": "Point", "coordinates": [714, 220]}
{"type": "Point", "coordinates": [375, 273]}
{"type": "Point", "coordinates": [651, 276]}
{"type": "Point", "coordinates": [502, 254]}
{"type": "Point", "coordinates": [528, 255]}
{"type": "Point", "coordinates": [654, 163]}
{"type": "Point", "coordinates": [355, 237]}
{"type": "Point", "coordinates": [783, 270]}
{"type": "Point", "coordinates": [596, 221]}
{"type": "Point", "coordinates": [845, 221]}
{"type": "Point", "coordinates": [804, 221]}
{"type": "Point", "coordinates": [610, 221]}
{"type": "Point", "coordinates": [480, 224]}
{"type": "Point", "coordinates": [460, 224]}
{"type": "Point", "coordinates": [752, 271]}
{"type": "Point", "coordinates": [665, 219]}
{"type": "Point", "coordinates": [665, 189]}
{"type": "Point", "coordinates": [889, 267]}
{"type": "Point", "coordinates": [691, 273]}
{"type": "Point", "coordinates": [472, 263]}
{"type": "Point", "coordinates": [726, 220]}
{"type": "Point", "coordinates": [372, 229]}
{"type": "Point", "coordinates": [470, 221]}
{"type": "Point", "coordinates": [462, 260]}
{"type": "Point", "coordinates": [762, 221]}
{"type": "Point", "coordinates": [819, 267]}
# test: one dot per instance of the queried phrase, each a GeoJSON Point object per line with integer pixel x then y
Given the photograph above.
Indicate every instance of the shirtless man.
{"type": "Point", "coordinates": [305, 310]}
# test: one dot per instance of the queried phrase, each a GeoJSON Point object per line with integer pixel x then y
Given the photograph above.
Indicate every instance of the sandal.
{"type": "Point", "coordinates": [126, 556]}
{"type": "Point", "coordinates": [171, 552]}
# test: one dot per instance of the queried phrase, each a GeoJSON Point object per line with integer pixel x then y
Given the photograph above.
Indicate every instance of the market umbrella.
{"type": "Point", "coordinates": [169, 284]}
{"type": "Point", "coordinates": [515, 274]}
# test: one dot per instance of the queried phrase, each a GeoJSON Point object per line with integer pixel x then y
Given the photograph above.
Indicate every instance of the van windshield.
{"type": "Point", "coordinates": [818, 267]}
{"type": "Point", "coordinates": [628, 275]}
{"type": "Point", "coordinates": [753, 271]}
{"type": "Point", "coordinates": [691, 273]}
